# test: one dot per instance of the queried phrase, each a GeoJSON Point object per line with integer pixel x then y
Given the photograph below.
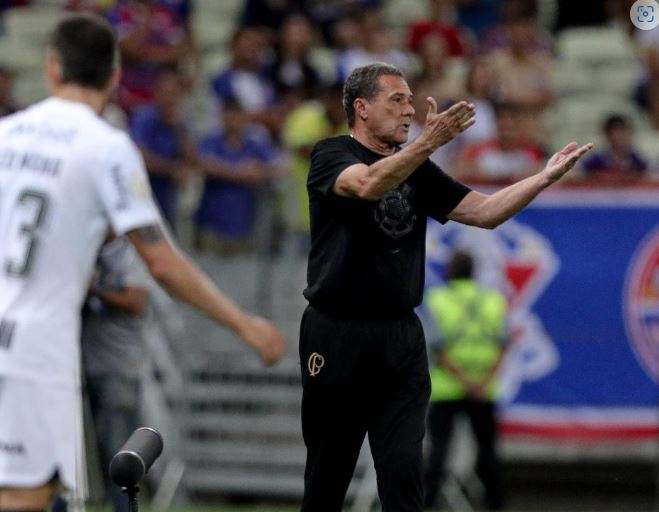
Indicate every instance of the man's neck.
{"type": "Point", "coordinates": [94, 99]}
{"type": "Point", "coordinates": [367, 139]}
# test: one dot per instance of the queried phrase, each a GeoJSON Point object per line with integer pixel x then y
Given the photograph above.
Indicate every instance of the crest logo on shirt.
{"type": "Point", "coordinates": [394, 213]}
{"type": "Point", "coordinates": [520, 262]}
{"type": "Point", "coordinates": [315, 363]}
{"type": "Point", "coordinates": [641, 304]}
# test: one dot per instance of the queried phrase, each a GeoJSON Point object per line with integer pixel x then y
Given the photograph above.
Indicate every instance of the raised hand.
{"type": "Point", "coordinates": [265, 338]}
{"type": "Point", "coordinates": [443, 127]}
{"type": "Point", "coordinates": [560, 163]}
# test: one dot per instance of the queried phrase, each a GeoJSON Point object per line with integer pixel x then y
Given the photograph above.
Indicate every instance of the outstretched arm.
{"type": "Point", "coordinates": [488, 211]}
{"type": "Point", "coordinates": [178, 274]}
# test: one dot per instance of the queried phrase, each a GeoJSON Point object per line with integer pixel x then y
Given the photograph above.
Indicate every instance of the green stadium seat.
{"type": "Point", "coordinates": [570, 77]}
{"type": "Point", "coordinates": [595, 45]}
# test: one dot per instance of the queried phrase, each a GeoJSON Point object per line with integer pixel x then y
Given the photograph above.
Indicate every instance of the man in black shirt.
{"type": "Point", "coordinates": [363, 354]}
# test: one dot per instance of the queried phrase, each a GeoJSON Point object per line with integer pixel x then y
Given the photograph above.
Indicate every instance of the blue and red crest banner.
{"type": "Point", "coordinates": [580, 269]}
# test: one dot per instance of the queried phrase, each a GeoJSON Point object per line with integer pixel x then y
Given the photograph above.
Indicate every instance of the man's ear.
{"type": "Point", "coordinates": [115, 78]}
{"type": "Point", "coordinates": [53, 69]}
{"type": "Point", "coordinates": [360, 109]}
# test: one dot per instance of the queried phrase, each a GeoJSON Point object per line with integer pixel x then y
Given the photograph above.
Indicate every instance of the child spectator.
{"type": "Point", "coordinates": [618, 160]}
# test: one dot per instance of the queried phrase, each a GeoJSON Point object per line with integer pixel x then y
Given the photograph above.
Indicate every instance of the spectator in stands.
{"type": "Point", "coordinates": [329, 16]}
{"type": "Point", "coordinates": [304, 126]}
{"type": "Point", "coordinates": [648, 88]}
{"type": "Point", "coordinates": [437, 72]}
{"type": "Point", "coordinates": [162, 136]}
{"type": "Point", "coordinates": [481, 91]}
{"type": "Point", "coordinates": [270, 15]}
{"type": "Point", "coordinates": [478, 16]}
{"type": "Point", "coordinates": [294, 77]}
{"type": "Point", "coordinates": [7, 103]}
{"type": "Point", "coordinates": [236, 162]}
{"type": "Point", "coordinates": [522, 71]}
{"type": "Point", "coordinates": [445, 155]}
{"type": "Point", "coordinates": [113, 352]}
{"type": "Point", "coordinates": [373, 44]}
{"type": "Point", "coordinates": [471, 327]}
{"type": "Point", "coordinates": [619, 161]}
{"type": "Point", "coordinates": [507, 157]}
{"type": "Point", "coordinates": [498, 36]}
{"type": "Point", "coordinates": [152, 39]}
{"type": "Point", "coordinates": [442, 23]}
{"type": "Point", "coordinates": [246, 81]}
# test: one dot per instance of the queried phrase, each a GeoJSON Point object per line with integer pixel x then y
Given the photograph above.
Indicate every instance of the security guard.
{"type": "Point", "coordinates": [471, 322]}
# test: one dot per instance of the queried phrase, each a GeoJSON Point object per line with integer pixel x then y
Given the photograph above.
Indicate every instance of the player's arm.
{"type": "Point", "coordinates": [129, 299]}
{"type": "Point", "coordinates": [488, 211]}
{"type": "Point", "coordinates": [179, 275]}
{"type": "Point", "coordinates": [371, 182]}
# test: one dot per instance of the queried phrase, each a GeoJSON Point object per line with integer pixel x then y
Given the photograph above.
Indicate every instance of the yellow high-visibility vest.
{"type": "Point", "coordinates": [471, 323]}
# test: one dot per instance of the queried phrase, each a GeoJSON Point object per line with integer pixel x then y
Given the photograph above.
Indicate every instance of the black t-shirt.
{"type": "Point", "coordinates": [367, 258]}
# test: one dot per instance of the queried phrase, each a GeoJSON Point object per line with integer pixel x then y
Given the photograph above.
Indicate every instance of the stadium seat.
{"type": "Point", "coordinates": [32, 25]}
{"type": "Point", "coordinates": [213, 32]}
{"type": "Point", "coordinates": [587, 111]}
{"type": "Point", "coordinates": [30, 87]}
{"type": "Point", "coordinates": [398, 15]}
{"type": "Point", "coordinates": [617, 78]}
{"type": "Point", "coordinates": [595, 45]}
{"type": "Point", "coordinates": [324, 60]}
{"type": "Point", "coordinates": [570, 77]}
{"type": "Point", "coordinates": [647, 141]}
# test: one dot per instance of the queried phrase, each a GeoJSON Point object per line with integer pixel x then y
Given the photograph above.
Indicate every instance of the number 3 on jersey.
{"type": "Point", "coordinates": [31, 207]}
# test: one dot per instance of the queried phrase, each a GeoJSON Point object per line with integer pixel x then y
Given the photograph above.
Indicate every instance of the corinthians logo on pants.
{"type": "Point", "coordinates": [315, 363]}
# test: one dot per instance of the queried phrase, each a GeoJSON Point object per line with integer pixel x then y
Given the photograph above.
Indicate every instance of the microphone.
{"type": "Point", "coordinates": [132, 462]}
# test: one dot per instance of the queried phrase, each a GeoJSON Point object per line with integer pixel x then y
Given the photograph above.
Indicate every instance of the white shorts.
{"type": "Point", "coordinates": [40, 434]}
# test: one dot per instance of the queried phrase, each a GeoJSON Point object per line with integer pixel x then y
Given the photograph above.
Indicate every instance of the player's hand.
{"type": "Point", "coordinates": [559, 164]}
{"type": "Point", "coordinates": [443, 127]}
{"type": "Point", "coordinates": [263, 336]}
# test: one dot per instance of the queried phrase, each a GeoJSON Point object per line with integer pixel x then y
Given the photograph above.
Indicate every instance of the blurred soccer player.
{"type": "Point", "coordinates": [66, 178]}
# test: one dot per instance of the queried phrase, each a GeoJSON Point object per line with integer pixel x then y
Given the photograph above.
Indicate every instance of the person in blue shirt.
{"type": "Point", "coordinates": [237, 161]}
{"type": "Point", "coordinates": [163, 139]}
{"type": "Point", "coordinates": [619, 159]}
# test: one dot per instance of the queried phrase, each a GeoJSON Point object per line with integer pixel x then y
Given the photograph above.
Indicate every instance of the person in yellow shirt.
{"type": "Point", "coordinates": [307, 124]}
{"type": "Point", "coordinates": [471, 322]}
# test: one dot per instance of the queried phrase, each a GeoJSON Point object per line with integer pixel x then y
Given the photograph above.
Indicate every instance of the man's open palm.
{"type": "Point", "coordinates": [559, 164]}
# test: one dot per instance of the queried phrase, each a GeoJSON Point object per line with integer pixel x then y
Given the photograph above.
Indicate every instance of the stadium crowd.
{"type": "Point", "coordinates": [269, 102]}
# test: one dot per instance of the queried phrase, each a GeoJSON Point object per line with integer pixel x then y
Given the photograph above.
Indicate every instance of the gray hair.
{"type": "Point", "coordinates": [363, 83]}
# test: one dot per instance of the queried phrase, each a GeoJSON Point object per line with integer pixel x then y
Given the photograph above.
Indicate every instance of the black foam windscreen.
{"type": "Point", "coordinates": [132, 462]}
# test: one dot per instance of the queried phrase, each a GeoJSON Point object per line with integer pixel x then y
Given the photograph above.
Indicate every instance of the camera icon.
{"type": "Point", "coordinates": [645, 14]}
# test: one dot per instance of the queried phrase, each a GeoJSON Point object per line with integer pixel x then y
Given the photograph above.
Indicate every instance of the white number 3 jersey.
{"type": "Point", "coordinates": [66, 177]}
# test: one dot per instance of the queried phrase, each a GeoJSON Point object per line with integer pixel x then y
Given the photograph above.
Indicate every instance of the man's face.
{"type": "Point", "coordinates": [389, 113]}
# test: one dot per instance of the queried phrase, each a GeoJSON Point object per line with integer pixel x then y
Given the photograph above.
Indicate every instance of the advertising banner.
{"type": "Point", "coordinates": [580, 270]}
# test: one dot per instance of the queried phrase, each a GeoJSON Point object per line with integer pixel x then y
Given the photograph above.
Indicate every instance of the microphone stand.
{"type": "Point", "coordinates": [131, 492]}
